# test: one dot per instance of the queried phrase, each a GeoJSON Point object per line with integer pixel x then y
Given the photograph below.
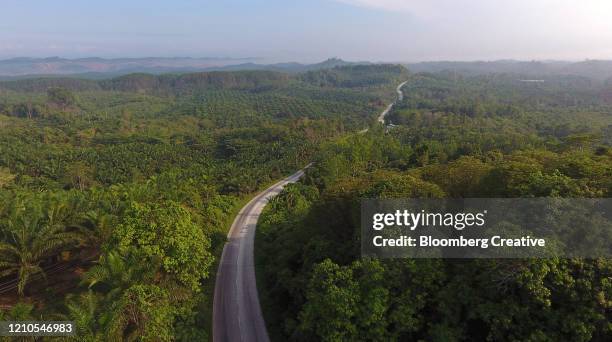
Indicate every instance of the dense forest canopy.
{"type": "Point", "coordinates": [485, 136]}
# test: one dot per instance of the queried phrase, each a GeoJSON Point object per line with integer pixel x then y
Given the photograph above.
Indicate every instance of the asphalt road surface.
{"type": "Point", "coordinates": [236, 311]}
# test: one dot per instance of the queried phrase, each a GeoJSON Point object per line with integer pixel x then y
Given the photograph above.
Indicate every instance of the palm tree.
{"type": "Point", "coordinates": [84, 310]}
{"type": "Point", "coordinates": [33, 233]}
{"type": "Point", "coordinates": [115, 272]}
{"type": "Point", "coordinates": [97, 228]}
{"type": "Point", "coordinates": [19, 312]}
{"type": "Point", "coordinates": [118, 276]}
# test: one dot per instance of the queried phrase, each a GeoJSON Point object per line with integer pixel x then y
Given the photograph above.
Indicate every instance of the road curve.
{"type": "Point", "coordinates": [400, 96]}
{"type": "Point", "coordinates": [383, 114]}
{"type": "Point", "coordinates": [236, 312]}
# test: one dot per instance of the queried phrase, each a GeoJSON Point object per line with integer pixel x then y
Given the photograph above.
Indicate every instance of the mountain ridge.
{"type": "Point", "coordinates": [96, 67]}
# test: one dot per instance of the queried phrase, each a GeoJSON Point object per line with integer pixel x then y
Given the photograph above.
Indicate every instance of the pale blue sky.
{"type": "Point", "coordinates": [309, 30]}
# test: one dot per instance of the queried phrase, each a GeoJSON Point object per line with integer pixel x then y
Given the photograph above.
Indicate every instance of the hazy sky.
{"type": "Point", "coordinates": [309, 30]}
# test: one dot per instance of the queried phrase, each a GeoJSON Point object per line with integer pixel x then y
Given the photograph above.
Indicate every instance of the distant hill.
{"type": "Point", "coordinates": [345, 76]}
{"type": "Point", "coordinates": [62, 66]}
{"type": "Point", "coordinates": [97, 68]}
{"type": "Point", "coordinates": [100, 68]}
{"type": "Point", "coordinates": [593, 69]}
{"type": "Point", "coordinates": [288, 67]}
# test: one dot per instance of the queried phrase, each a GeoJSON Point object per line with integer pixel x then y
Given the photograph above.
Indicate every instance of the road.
{"type": "Point", "coordinates": [236, 312]}
{"type": "Point", "coordinates": [400, 96]}
{"type": "Point", "coordinates": [383, 114]}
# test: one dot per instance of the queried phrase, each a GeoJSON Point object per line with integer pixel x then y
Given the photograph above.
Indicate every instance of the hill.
{"type": "Point", "coordinates": [99, 68]}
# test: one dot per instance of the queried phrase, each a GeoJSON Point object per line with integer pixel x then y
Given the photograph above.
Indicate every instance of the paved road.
{"type": "Point", "coordinates": [400, 96]}
{"type": "Point", "coordinates": [381, 117]}
{"type": "Point", "coordinates": [236, 311]}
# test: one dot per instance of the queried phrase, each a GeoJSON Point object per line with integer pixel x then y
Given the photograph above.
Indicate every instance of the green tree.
{"type": "Point", "coordinates": [80, 175]}
{"type": "Point", "coordinates": [60, 96]}
{"type": "Point", "coordinates": [97, 228]}
{"type": "Point", "coordinates": [6, 177]}
{"type": "Point", "coordinates": [85, 310]}
{"type": "Point", "coordinates": [331, 303]}
{"type": "Point", "coordinates": [19, 312]}
{"type": "Point", "coordinates": [165, 234]}
{"type": "Point", "coordinates": [115, 273]}
{"type": "Point", "coordinates": [34, 232]}
{"type": "Point", "coordinates": [143, 313]}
